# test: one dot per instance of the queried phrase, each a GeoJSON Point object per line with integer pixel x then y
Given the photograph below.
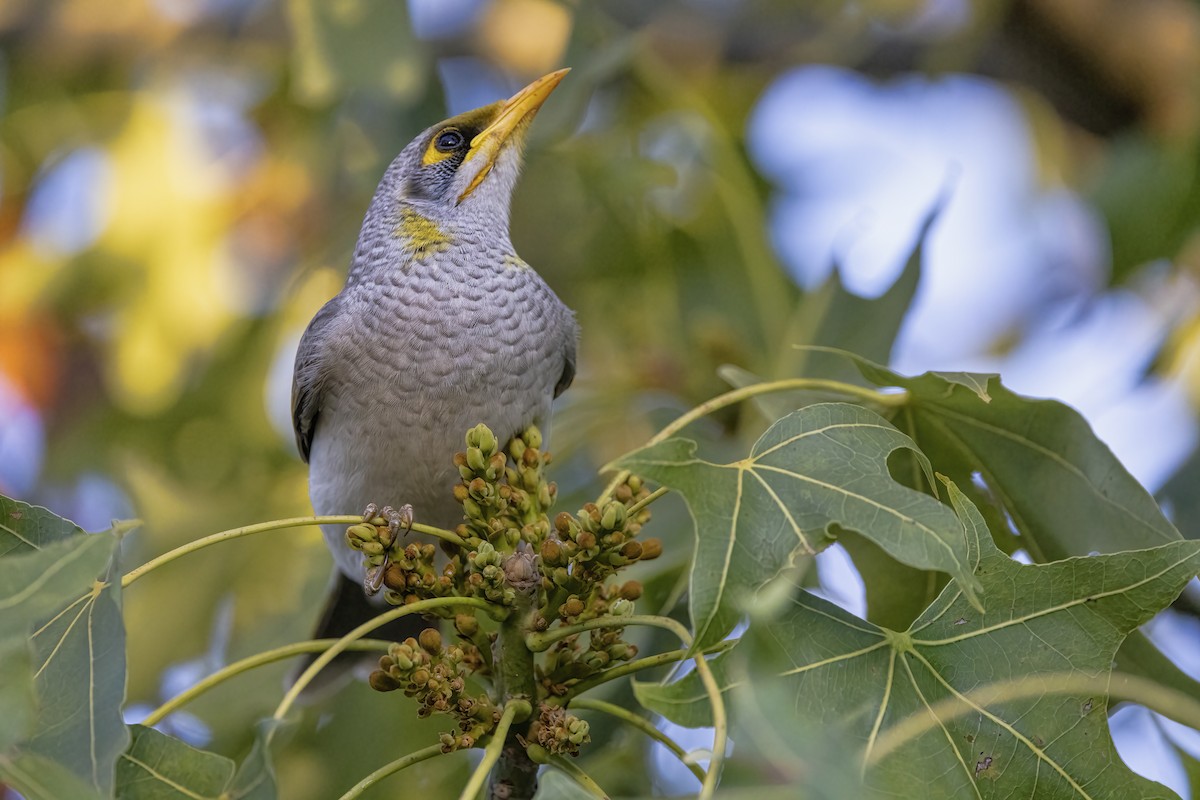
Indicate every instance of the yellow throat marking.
{"type": "Point", "coordinates": [515, 262]}
{"type": "Point", "coordinates": [422, 236]}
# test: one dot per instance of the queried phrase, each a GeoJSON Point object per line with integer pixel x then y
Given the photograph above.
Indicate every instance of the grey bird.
{"type": "Point", "coordinates": [440, 326]}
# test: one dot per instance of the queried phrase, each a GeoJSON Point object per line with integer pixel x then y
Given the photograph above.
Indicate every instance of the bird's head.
{"type": "Point", "coordinates": [461, 172]}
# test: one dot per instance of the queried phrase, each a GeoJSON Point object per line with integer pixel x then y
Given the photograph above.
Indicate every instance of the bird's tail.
{"type": "Point", "coordinates": [346, 607]}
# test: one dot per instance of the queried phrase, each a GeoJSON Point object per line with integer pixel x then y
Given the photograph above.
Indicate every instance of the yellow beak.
{"type": "Point", "coordinates": [513, 119]}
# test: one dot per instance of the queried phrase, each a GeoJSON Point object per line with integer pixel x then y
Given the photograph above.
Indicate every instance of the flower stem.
{"type": "Point", "coordinates": [274, 525]}
{"type": "Point", "coordinates": [720, 728]}
{"type": "Point", "coordinates": [495, 747]}
{"type": "Point", "coordinates": [648, 662]}
{"type": "Point", "coordinates": [539, 641]}
{"type": "Point", "coordinates": [642, 724]}
{"type": "Point", "coordinates": [249, 663]}
{"type": "Point", "coordinates": [578, 775]}
{"type": "Point", "coordinates": [390, 768]}
{"type": "Point", "coordinates": [340, 646]}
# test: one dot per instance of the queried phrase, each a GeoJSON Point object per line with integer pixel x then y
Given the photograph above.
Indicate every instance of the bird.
{"type": "Point", "coordinates": [439, 326]}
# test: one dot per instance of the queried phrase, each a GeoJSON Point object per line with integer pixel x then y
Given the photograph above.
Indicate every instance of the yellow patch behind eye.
{"type": "Point", "coordinates": [433, 155]}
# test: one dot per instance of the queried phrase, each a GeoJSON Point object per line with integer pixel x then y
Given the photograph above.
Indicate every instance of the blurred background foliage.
{"type": "Point", "coordinates": [182, 181]}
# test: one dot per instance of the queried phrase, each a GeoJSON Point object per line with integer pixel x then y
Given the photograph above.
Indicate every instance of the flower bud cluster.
{"type": "Point", "coordinates": [559, 732]}
{"type": "Point", "coordinates": [569, 660]}
{"type": "Point", "coordinates": [373, 541]}
{"type": "Point", "coordinates": [486, 577]}
{"type": "Point", "coordinates": [436, 677]}
{"type": "Point", "coordinates": [412, 574]}
{"type": "Point", "coordinates": [504, 502]}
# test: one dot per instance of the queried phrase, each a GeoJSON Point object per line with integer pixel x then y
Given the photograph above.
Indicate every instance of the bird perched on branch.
{"type": "Point", "coordinates": [440, 326]}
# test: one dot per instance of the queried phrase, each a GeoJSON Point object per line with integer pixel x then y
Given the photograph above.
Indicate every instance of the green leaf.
{"type": "Point", "coordinates": [18, 701]}
{"type": "Point", "coordinates": [1063, 489]}
{"type": "Point", "coordinates": [822, 465]}
{"type": "Point", "coordinates": [38, 583]}
{"type": "Point", "coordinates": [255, 777]}
{"type": "Point", "coordinates": [33, 585]}
{"type": "Point", "coordinates": [40, 778]}
{"type": "Point", "coordinates": [160, 767]}
{"type": "Point", "coordinates": [554, 785]}
{"type": "Point", "coordinates": [25, 528]}
{"type": "Point", "coordinates": [59, 592]}
{"type": "Point", "coordinates": [911, 700]}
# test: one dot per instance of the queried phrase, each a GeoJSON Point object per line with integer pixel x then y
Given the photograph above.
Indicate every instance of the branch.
{"type": "Point", "coordinates": [720, 728]}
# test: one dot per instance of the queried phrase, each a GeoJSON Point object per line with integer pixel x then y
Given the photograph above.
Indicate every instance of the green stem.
{"type": "Point", "coordinates": [249, 663]}
{"type": "Point", "coordinates": [720, 728]}
{"type": "Point", "coordinates": [642, 724]}
{"type": "Point", "coordinates": [275, 525]}
{"type": "Point", "coordinates": [491, 753]}
{"type": "Point", "coordinates": [516, 682]}
{"type": "Point", "coordinates": [645, 501]}
{"type": "Point", "coordinates": [390, 768]}
{"type": "Point", "coordinates": [648, 662]}
{"type": "Point", "coordinates": [539, 641]}
{"type": "Point", "coordinates": [578, 775]}
{"type": "Point", "coordinates": [362, 630]}
{"type": "Point", "coordinates": [754, 390]}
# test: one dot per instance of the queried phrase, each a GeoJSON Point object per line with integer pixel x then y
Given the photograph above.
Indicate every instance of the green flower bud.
{"type": "Point", "coordinates": [613, 516]}
{"type": "Point", "coordinates": [485, 439]}
{"type": "Point", "coordinates": [533, 437]}
{"type": "Point", "coordinates": [372, 548]}
{"type": "Point", "coordinates": [471, 509]}
{"type": "Point", "coordinates": [475, 459]}
{"type": "Point", "coordinates": [621, 607]}
{"type": "Point", "coordinates": [537, 754]}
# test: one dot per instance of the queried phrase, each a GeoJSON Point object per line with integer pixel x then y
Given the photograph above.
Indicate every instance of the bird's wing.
{"type": "Point", "coordinates": [568, 371]}
{"type": "Point", "coordinates": [308, 380]}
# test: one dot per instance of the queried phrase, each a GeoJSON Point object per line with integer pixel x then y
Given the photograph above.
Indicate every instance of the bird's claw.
{"type": "Point", "coordinates": [373, 581]}
{"type": "Point", "coordinates": [398, 518]}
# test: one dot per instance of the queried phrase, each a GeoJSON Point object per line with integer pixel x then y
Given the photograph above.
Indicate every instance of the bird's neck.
{"type": "Point", "coordinates": [412, 235]}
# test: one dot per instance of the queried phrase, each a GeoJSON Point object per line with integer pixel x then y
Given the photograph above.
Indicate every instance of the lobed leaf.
{"type": "Point", "coordinates": [60, 622]}
{"type": "Point", "coordinates": [870, 683]}
{"type": "Point", "coordinates": [160, 767]}
{"type": "Point", "coordinates": [821, 466]}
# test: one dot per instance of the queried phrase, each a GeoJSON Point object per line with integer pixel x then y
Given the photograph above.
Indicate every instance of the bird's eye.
{"type": "Point", "coordinates": [448, 140]}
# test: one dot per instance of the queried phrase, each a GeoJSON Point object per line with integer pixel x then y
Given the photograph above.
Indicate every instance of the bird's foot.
{"type": "Point", "coordinates": [396, 520]}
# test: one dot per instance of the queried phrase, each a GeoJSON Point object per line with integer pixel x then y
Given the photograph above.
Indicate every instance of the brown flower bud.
{"type": "Point", "coordinates": [651, 549]}
{"type": "Point", "coordinates": [431, 641]}
{"type": "Point", "coordinates": [383, 682]}
{"type": "Point", "coordinates": [630, 590]}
